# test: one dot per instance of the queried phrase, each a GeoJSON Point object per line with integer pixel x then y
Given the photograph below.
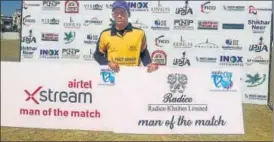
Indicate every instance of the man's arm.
{"type": "Point", "coordinates": [100, 54]}
{"type": "Point", "coordinates": [145, 56]}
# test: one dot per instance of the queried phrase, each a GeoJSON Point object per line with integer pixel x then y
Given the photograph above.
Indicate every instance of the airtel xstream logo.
{"type": "Point", "coordinates": [42, 94]}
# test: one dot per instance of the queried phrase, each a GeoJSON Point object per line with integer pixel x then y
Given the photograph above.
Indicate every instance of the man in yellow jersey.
{"type": "Point", "coordinates": [123, 44]}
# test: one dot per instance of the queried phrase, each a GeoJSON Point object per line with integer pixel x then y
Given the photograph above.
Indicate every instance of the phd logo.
{"type": "Point", "coordinates": [259, 47]}
{"type": "Point", "coordinates": [91, 39]}
{"type": "Point", "coordinates": [138, 6]}
{"type": "Point", "coordinates": [206, 8]}
{"type": "Point", "coordinates": [71, 6]}
{"type": "Point", "coordinates": [222, 81]}
{"type": "Point", "coordinates": [160, 41]}
{"type": "Point", "coordinates": [107, 77]}
{"type": "Point", "coordinates": [160, 25]}
{"type": "Point", "coordinates": [232, 44]}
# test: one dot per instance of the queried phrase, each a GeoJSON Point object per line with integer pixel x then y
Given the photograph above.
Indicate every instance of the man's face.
{"type": "Point", "coordinates": [120, 15]}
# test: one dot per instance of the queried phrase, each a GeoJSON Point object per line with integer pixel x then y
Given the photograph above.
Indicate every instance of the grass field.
{"type": "Point", "coordinates": [257, 121]}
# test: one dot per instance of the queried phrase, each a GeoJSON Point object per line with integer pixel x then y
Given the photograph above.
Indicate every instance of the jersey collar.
{"type": "Point", "coordinates": [114, 31]}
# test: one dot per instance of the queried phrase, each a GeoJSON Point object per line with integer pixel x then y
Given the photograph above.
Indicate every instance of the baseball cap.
{"type": "Point", "coordinates": [120, 4]}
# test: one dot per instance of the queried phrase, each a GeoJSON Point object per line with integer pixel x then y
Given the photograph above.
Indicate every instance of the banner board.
{"type": "Point", "coordinates": [90, 97]}
{"type": "Point", "coordinates": [179, 101]}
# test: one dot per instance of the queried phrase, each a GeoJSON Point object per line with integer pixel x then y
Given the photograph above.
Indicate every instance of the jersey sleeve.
{"type": "Point", "coordinates": [100, 54]}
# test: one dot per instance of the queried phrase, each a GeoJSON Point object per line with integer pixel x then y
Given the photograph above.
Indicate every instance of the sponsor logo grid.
{"type": "Point", "coordinates": [72, 32]}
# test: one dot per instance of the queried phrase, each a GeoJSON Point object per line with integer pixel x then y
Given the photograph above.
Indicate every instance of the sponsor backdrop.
{"type": "Point", "coordinates": [82, 99]}
{"type": "Point", "coordinates": [220, 34]}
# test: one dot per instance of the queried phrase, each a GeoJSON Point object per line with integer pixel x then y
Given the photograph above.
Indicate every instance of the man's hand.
{"type": "Point", "coordinates": [152, 67]}
{"type": "Point", "coordinates": [114, 66]}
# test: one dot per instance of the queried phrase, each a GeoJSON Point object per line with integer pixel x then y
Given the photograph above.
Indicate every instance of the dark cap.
{"type": "Point", "coordinates": [120, 4]}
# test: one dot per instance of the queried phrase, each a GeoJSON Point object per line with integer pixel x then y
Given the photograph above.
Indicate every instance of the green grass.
{"type": "Point", "coordinates": [257, 122]}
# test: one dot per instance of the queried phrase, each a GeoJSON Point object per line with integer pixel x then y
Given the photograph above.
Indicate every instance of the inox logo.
{"type": "Point", "coordinates": [183, 22]}
{"type": "Point", "coordinates": [138, 4]}
{"type": "Point", "coordinates": [51, 3]}
{"type": "Point", "coordinates": [70, 51]}
{"type": "Point", "coordinates": [49, 52]}
{"type": "Point", "coordinates": [231, 59]}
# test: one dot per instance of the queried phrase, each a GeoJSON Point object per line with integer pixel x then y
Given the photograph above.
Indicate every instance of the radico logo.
{"type": "Point", "coordinates": [160, 42]}
{"type": "Point", "coordinates": [42, 94]}
{"type": "Point", "coordinates": [206, 8]}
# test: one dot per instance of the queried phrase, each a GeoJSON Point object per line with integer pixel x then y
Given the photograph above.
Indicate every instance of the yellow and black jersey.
{"type": "Point", "coordinates": [126, 48]}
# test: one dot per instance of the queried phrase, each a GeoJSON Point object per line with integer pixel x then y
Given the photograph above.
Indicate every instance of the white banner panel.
{"type": "Point", "coordinates": [179, 101]}
{"type": "Point", "coordinates": [53, 96]}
